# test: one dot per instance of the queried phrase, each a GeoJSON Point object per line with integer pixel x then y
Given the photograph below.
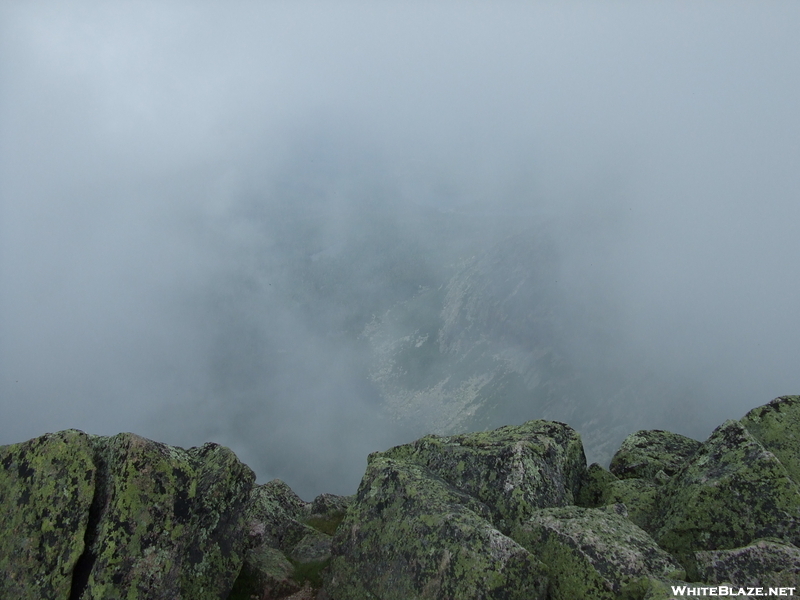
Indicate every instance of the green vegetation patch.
{"type": "Point", "coordinates": [325, 523]}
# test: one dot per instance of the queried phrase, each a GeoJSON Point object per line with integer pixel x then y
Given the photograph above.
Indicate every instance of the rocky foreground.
{"type": "Point", "coordinates": [507, 514]}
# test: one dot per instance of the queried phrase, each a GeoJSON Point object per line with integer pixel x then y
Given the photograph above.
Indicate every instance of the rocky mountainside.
{"type": "Point", "coordinates": [497, 338]}
{"type": "Point", "coordinates": [513, 513]}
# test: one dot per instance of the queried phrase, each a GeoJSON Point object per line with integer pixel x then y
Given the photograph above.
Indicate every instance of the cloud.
{"type": "Point", "coordinates": [201, 204]}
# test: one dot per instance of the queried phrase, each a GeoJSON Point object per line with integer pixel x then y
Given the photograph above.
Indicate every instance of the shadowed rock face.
{"type": "Point", "coordinates": [499, 515]}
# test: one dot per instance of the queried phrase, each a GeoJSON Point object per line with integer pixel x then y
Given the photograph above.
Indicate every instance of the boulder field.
{"type": "Point", "coordinates": [508, 514]}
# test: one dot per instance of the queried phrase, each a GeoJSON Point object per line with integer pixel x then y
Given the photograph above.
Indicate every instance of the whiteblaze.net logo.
{"type": "Point", "coordinates": [726, 591]}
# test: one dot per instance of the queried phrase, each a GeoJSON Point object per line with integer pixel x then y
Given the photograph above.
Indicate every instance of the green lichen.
{"type": "Point", "coordinates": [592, 553]}
{"type": "Point", "coordinates": [764, 563]}
{"type": "Point", "coordinates": [640, 496]}
{"type": "Point", "coordinates": [410, 534]}
{"type": "Point", "coordinates": [595, 487]}
{"type": "Point", "coordinates": [46, 489]}
{"type": "Point", "coordinates": [645, 453]}
{"type": "Point", "coordinates": [513, 470]}
{"type": "Point", "coordinates": [171, 524]}
{"type": "Point", "coordinates": [265, 573]}
{"type": "Point", "coordinates": [777, 426]}
{"type": "Point", "coordinates": [731, 492]}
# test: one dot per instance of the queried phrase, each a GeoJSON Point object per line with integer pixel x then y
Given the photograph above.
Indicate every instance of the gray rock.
{"type": "Point", "coordinates": [266, 575]}
{"type": "Point", "coordinates": [594, 487]}
{"type": "Point", "coordinates": [640, 496]}
{"type": "Point", "coordinates": [171, 522]}
{"type": "Point", "coordinates": [46, 489]}
{"type": "Point", "coordinates": [512, 470]}
{"type": "Point", "coordinates": [777, 426]}
{"type": "Point", "coordinates": [327, 511]}
{"type": "Point", "coordinates": [274, 516]}
{"type": "Point", "coordinates": [314, 547]}
{"type": "Point", "coordinates": [731, 492]}
{"type": "Point", "coordinates": [593, 553]}
{"type": "Point", "coordinates": [410, 534]}
{"type": "Point", "coordinates": [645, 453]}
{"type": "Point", "coordinates": [764, 563]}
{"type": "Point", "coordinates": [330, 503]}
{"type": "Point", "coordinates": [275, 525]}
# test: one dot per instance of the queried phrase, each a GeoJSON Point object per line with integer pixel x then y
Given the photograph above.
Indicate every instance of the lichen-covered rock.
{"type": "Point", "coordinates": [410, 534]}
{"type": "Point", "coordinates": [275, 514]}
{"type": "Point", "coordinates": [672, 589]}
{"type": "Point", "coordinates": [279, 535]}
{"type": "Point", "coordinates": [171, 522]}
{"type": "Point", "coordinates": [327, 511]}
{"type": "Point", "coordinates": [46, 489]}
{"type": "Point", "coordinates": [777, 426]}
{"type": "Point", "coordinates": [640, 498]}
{"type": "Point", "coordinates": [764, 563]}
{"type": "Point", "coordinates": [327, 504]}
{"type": "Point", "coordinates": [645, 453]}
{"type": "Point", "coordinates": [314, 547]}
{"type": "Point", "coordinates": [512, 470]}
{"type": "Point", "coordinates": [731, 492]}
{"type": "Point", "coordinates": [266, 574]}
{"type": "Point", "coordinates": [592, 553]}
{"type": "Point", "coordinates": [594, 486]}
{"type": "Point", "coordinates": [600, 488]}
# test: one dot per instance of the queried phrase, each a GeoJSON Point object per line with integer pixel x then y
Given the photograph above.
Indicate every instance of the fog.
{"type": "Point", "coordinates": [212, 214]}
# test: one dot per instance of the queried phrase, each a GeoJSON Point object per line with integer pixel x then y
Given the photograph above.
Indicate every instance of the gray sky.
{"type": "Point", "coordinates": [147, 151]}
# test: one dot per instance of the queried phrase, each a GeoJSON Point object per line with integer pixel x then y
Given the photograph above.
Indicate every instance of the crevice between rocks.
{"type": "Point", "coordinates": [85, 563]}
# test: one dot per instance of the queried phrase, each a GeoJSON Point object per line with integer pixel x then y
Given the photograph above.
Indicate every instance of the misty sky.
{"type": "Point", "coordinates": [164, 168]}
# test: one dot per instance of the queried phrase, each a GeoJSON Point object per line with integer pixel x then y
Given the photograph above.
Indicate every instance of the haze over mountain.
{"type": "Point", "coordinates": [311, 231]}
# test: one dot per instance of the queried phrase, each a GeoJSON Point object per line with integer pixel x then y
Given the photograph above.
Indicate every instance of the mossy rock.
{"type": "Point", "coordinates": [764, 563]}
{"type": "Point", "coordinates": [644, 453]}
{"type": "Point", "coordinates": [640, 498]}
{"type": "Point", "coordinates": [313, 548]}
{"type": "Point", "coordinates": [513, 470]}
{"type": "Point", "coordinates": [592, 553]}
{"type": "Point", "coordinates": [275, 516]}
{"type": "Point", "coordinates": [777, 426]}
{"type": "Point", "coordinates": [410, 534]}
{"type": "Point", "coordinates": [655, 589]}
{"type": "Point", "coordinates": [327, 512]}
{"type": "Point", "coordinates": [46, 489]}
{"type": "Point", "coordinates": [266, 573]}
{"type": "Point", "coordinates": [326, 504]}
{"type": "Point", "coordinates": [171, 522]}
{"type": "Point", "coordinates": [730, 493]}
{"type": "Point", "coordinates": [595, 486]}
